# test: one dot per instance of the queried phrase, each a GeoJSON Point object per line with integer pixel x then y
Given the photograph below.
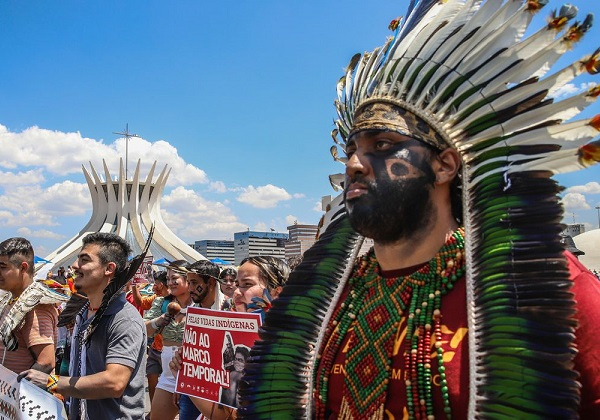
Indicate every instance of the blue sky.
{"type": "Point", "coordinates": [237, 97]}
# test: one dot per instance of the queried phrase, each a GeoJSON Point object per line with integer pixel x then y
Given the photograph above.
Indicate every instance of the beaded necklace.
{"type": "Point", "coordinates": [374, 309]}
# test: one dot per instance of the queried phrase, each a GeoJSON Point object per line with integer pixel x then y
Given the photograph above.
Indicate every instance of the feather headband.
{"type": "Point", "coordinates": [464, 70]}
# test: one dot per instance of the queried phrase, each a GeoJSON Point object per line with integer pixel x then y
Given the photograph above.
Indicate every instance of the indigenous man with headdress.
{"type": "Point", "coordinates": [489, 320]}
{"type": "Point", "coordinates": [109, 339]}
{"type": "Point", "coordinates": [28, 311]}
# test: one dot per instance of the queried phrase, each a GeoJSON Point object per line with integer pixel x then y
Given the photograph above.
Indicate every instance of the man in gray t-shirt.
{"type": "Point", "coordinates": [119, 338]}
{"type": "Point", "coordinates": [106, 378]}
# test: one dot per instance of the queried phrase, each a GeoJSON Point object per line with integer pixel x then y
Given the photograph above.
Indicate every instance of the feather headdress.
{"type": "Point", "coordinates": [470, 80]}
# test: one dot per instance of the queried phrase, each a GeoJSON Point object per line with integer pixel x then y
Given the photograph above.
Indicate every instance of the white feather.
{"type": "Point", "coordinates": [452, 18]}
{"type": "Point", "coordinates": [563, 110]}
{"type": "Point", "coordinates": [488, 21]}
{"type": "Point", "coordinates": [495, 67]}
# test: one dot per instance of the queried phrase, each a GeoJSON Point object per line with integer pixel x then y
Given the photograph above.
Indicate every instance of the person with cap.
{"type": "Point", "coordinates": [467, 306]}
{"type": "Point", "coordinates": [569, 243]}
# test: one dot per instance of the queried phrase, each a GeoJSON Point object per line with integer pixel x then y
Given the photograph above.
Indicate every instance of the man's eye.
{"type": "Point", "coordinates": [382, 144]}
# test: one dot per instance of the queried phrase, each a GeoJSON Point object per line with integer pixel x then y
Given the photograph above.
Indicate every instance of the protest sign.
{"type": "Point", "coordinates": [23, 400]}
{"type": "Point", "coordinates": [216, 345]}
{"type": "Point", "coordinates": [141, 275]}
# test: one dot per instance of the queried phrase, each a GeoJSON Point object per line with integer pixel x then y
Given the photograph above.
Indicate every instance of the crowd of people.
{"type": "Point", "coordinates": [97, 359]}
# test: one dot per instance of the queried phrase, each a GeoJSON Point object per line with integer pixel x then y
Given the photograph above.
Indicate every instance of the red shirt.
{"type": "Point", "coordinates": [454, 329]}
{"type": "Point", "coordinates": [456, 358]}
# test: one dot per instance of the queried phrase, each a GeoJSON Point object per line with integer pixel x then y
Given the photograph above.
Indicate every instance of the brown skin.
{"type": "Point", "coordinates": [92, 278]}
{"type": "Point", "coordinates": [366, 151]}
{"type": "Point", "coordinates": [135, 293]}
{"type": "Point", "coordinates": [250, 284]}
{"type": "Point", "coordinates": [179, 288]}
{"type": "Point", "coordinates": [15, 279]}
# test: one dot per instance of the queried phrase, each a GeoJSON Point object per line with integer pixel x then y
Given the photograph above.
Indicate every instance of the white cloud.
{"type": "Point", "coordinates": [33, 205]}
{"type": "Point", "coordinates": [191, 216]}
{"type": "Point", "coordinates": [64, 153]}
{"type": "Point", "coordinates": [318, 206]}
{"type": "Point", "coordinates": [29, 218]}
{"type": "Point", "coordinates": [42, 233]}
{"type": "Point", "coordinates": [63, 199]}
{"type": "Point", "coordinates": [570, 89]}
{"type": "Point", "coordinates": [575, 201]}
{"type": "Point", "coordinates": [218, 186]}
{"type": "Point", "coordinates": [589, 188]}
{"type": "Point", "coordinates": [57, 152]}
{"type": "Point", "coordinates": [264, 197]}
{"type": "Point", "coordinates": [261, 227]}
{"type": "Point", "coordinates": [290, 219]}
{"type": "Point", "coordinates": [11, 179]}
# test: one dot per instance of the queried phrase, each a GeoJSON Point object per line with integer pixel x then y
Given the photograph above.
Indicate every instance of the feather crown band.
{"type": "Point", "coordinates": [464, 68]}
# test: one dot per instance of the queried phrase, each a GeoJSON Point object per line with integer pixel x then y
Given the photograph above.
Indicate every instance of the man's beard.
{"type": "Point", "coordinates": [198, 297]}
{"type": "Point", "coordinates": [391, 210]}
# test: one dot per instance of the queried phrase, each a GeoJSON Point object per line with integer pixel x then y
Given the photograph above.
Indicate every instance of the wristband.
{"type": "Point", "coordinates": [52, 383]}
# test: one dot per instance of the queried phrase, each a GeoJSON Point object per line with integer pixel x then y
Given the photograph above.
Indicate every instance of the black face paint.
{"type": "Point", "coordinates": [200, 292]}
{"type": "Point", "coordinates": [407, 153]}
{"type": "Point", "coordinates": [399, 169]}
{"type": "Point", "coordinates": [397, 203]}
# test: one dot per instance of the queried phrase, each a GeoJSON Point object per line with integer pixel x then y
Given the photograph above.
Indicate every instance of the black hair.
{"type": "Point", "coordinates": [243, 350]}
{"type": "Point", "coordinates": [294, 261]}
{"type": "Point", "coordinates": [180, 266]}
{"type": "Point", "coordinates": [456, 199]}
{"type": "Point", "coordinates": [160, 277]}
{"type": "Point", "coordinates": [274, 271]}
{"type": "Point", "coordinates": [18, 250]}
{"type": "Point", "coordinates": [229, 271]}
{"type": "Point", "coordinates": [205, 268]}
{"type": "Point", "coordinates": [113, 248]}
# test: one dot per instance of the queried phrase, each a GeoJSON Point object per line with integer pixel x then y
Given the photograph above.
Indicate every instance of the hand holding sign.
{"type": "Point", "coordinates": [213, 342]}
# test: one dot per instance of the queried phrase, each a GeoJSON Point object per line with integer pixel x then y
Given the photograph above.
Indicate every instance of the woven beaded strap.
{"type": "Point", "coordinates": [52, 383]}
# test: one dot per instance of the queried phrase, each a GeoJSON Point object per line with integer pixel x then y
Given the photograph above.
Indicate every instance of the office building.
{"type": "Point", "coordinates": [212, 249]}
{"type": "Point", "coordinates": [301, 237]}
{"type": "Point", "coordinates": [574, 229]}
{"type": "Point", "coordinates": [252, 243]}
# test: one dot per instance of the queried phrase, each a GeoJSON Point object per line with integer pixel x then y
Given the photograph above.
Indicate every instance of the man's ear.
{"type": "Point", "coordinates": [275, 292]}
{"type": "Point", "coordinates": [449, 163]}
{"type": "Point", "coordinates": [111, 269]}
{"type": "Point", "coordinates": [24, 266]}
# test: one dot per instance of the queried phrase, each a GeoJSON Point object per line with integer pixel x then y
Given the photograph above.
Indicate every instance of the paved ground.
{"type": "Point", "coordinates": [147, 403]}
